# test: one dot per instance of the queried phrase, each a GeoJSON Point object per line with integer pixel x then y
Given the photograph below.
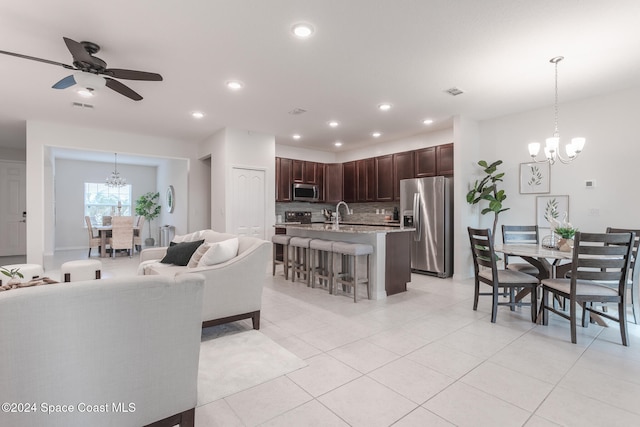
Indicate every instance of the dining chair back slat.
{"type": "Point", "coordinates": [633, 282]}
{"type": "Point", "coordinates": [520, 234]}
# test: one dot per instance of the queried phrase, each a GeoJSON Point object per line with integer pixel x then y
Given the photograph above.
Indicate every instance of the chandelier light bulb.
{"type": "Point", "coordinates": [115, 180]}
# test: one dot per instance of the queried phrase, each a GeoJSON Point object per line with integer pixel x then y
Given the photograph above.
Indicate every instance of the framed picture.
{"type": "Point", "coordinates": [534, 178]}
{"type": "Point", "coordinates": [171, 199]}
{"type": "Point", "coordinates": [551, 208]}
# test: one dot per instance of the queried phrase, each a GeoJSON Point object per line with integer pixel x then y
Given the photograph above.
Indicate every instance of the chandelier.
{"type": "Point", "coordinates": [115, 180]}
{"type": "Point", "coordinates": [551, 151]}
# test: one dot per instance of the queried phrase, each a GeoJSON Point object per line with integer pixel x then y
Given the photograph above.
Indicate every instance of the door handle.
{"type": "Point", "coordinates": [416, 216]}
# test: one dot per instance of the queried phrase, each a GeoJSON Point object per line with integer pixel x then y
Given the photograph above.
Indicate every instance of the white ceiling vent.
{"type": "Point", "coordinates": [81, 105]}
{"type": "Point", "coordinates": [454, 91]}
{"type": "Point", "coordinates": [297, 111]}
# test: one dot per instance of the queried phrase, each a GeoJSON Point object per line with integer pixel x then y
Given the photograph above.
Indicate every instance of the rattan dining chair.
{"type": "Point", "coordinates": [93, 239]}
{"type": "Point", "coordinates": [501, 281]}
{"type": "Point", "coordinates": [137, 233]}
{"type": "Point", "coordinates": [121, 234]}
{"type": "Point", "coordinates": [599, 259]}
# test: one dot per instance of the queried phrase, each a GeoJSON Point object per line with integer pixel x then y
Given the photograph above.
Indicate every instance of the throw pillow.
{"type": "Point", "coordinates": [195, 258]}
{"type": "Point", "coordinates": [180, 253]}
{"type": "Point", "coordinates": [219, 252]}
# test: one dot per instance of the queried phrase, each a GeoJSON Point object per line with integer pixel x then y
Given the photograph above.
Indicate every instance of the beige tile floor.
{"type": "Point", "coordinates": [425, 358]}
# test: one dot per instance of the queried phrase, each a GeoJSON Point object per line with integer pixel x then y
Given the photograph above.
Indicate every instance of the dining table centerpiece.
{"type": "Point", "coordinates": [566, 234]}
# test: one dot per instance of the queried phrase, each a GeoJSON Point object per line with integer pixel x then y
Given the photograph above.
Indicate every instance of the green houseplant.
{"type": "Point", "coordinates": [487, 190]}
{"type": "Point", "coordinates": [147, 205]}
{"type": "Point", "coordinates": [13, 274]}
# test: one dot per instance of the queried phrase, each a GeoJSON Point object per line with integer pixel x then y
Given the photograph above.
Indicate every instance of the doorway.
{"type": "Point", "coordinates": [248, 202]}
{"type": "Point", "coordinates": [13, 215]}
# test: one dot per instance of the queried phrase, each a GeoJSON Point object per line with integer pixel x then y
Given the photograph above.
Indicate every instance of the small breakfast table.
{"type": "Point", "coordinates": [539, 257]}
{"type": "Point", "coordinates": [104, 230]}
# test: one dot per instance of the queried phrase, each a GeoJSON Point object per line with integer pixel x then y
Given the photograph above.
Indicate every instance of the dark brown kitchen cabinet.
{"type": "Point", "coordinates": [366, 179]}
{"type": "Point", "coordinates": [310, 173]}
{"type": "Point", "coordinates": [425, 161]}
{"type": "Point", "coordinates": [297, 171]}
{"type": "Point", "coordinates": [283, 179]}
{"type": "Point", "coordinates": [444, 158]}
{"type": "Point", "coordinates": [319, 180]}
{"type": "Point", "coordinates": [384, 178]}
{"type": "Point", "coordinates": [333, 182]}
{"type": "Point", "coordinates": [403, 168]}
{"type": "Point", "coordinates": [349, 182]}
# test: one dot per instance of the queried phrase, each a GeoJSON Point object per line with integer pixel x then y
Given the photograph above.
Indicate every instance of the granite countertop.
{"type": "Point", "coordinates": [347, 228]}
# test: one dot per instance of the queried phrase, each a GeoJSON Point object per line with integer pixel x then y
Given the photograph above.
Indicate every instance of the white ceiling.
{"type": "Point", "coordinates": [364, 52]}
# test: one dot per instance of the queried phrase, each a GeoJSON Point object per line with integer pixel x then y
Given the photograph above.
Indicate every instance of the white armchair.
{"type": "Point", "coordinates": [111, 352]}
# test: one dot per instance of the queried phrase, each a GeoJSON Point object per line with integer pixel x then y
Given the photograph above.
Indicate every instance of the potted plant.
{"type": "Point", "coordinates": [487, 190]}
{"type": "Point", "coordinates": [13, 274]}
{"type": "Point", "coordinates": [147, 205]}
{"type": "Point", "coordinates": [565, 244]}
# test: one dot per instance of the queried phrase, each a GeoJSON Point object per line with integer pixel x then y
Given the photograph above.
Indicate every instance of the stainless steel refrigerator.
{"type": "Point", "coordinates": [426, 205]}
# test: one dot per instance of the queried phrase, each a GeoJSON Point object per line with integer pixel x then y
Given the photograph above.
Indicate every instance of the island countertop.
{"type": "Point", "coordinates": [346, 228]}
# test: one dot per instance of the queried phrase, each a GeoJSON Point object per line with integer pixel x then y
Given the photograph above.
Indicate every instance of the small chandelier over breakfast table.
{"type": "Point", "coordinates": [115, 180]}
{"type": "Point", "coordinates": [551, 149]}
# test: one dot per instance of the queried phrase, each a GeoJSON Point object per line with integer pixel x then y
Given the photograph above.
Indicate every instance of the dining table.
{"type": "Point", "coordinates": [104, 230]}
{"type": "Point", "coordinates": [548, 261]}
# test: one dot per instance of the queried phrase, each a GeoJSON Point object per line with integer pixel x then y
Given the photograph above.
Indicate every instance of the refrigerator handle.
{"type": "Point", "coordinates": [416, 217]}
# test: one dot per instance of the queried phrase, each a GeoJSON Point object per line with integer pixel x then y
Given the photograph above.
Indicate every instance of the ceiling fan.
{"type": "Point", "coordinates": [92, 71]}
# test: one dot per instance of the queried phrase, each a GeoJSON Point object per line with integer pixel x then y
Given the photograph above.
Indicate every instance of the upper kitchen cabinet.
{"type": "Point", "coordinates": [403, 168]}
{"type": "Point", "coordinates": [444, 158]}
{"type": "Point", "coordinates": [384, 178]}
{"type": "Point", "coordinates": [333, 182]}
{"type": "Point", "coordinates": [425, 161]}
{"type": "Point", "coordinates": [304, 172]}
{"type": "Point", "coordinates": [349, 182]}
{"type": "Point", "coordinates": [283, 179]}
{"type": "Point", "coordinates": [366, 179]}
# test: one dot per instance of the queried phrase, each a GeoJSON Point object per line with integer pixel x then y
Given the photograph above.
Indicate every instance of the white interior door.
{"type": "Point", "coordinates": [13, 206]}
{"type": "Point", "coordinates": [248, 202]}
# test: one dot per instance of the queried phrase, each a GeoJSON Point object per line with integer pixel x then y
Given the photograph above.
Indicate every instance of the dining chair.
{"type": "Point", "coordinates": [121, 234]}
{"type": "Point", "coordinates": [137, 233]}
{"type": "Point", "coordinates": [501, 281]}
{"type": "Point", "coordinates": [632, 279]}
{"type": "Point", "coordinates": [599, 260]}
{"type": "Point", "coordinates": [93, 239]}
{"type": "Point", "coordinates": [106, 220]}
{"type": "Point", "coordinates": [520, 235]}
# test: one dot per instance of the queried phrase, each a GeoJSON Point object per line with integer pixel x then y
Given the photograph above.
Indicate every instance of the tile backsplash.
{"type": "Point", "coordinates": [362, 212]}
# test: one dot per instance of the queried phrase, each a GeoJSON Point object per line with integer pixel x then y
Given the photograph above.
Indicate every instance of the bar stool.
{"type": "Point", "coordinates": [349, 274]}
{"type": "Point", "coordinates": [321, 251]}
{"type": "Point", "coordinates": [82, 269]}
{"type": "Point", "coordinates": [281, 240]}
{"type": "Point", "coordinates": [300, 258]}
{"type": "Point", "coordinates": [28, 271]}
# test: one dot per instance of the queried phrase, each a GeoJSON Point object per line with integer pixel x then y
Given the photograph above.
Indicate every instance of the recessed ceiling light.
{"type": "Point", "coordinates": [296, 136]}
{"type": "Point", "coordinates": [338, 144]}
{"type": "Point", "coordinates": [376, 134]}
{"type": "Point", "coordinates": [333, 123]}
{"type": "Point", "coordinates": [427, 121]}
{"type": "Point", "coordinates": [197, 114]}
{"type": "Point", "coordinates": [234, 85]}
{"type": "Point", "coordinates": [384, 106]}
{"type": "Point", "coordinates": [302, 30]}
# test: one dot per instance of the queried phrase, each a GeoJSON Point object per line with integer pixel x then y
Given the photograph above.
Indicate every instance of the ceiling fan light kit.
{"type": "Point", "coordinates": [92, 72]}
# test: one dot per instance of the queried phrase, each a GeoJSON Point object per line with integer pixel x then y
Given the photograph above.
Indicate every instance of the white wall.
{"type": "Point", "coordinates": [299, 153]}
{"type": "Point", "coordinates": [230, 148]}
{"type": "Point", "coordinates": [70, 176]}
{"type": "Point", "coordinates": [41, 135]}
{"type": "Point", "coordinates": [172, 172]}
{"type": "Point", "coordinates": [610, 157]}
{"type": "Point", "coordinates": [13, 154]}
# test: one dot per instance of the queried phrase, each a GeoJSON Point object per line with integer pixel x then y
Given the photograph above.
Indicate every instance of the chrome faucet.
{"type": "Point", "coordinates": [342, 202]}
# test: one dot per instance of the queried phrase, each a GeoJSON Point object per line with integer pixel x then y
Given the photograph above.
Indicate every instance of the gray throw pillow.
{"type": "Point", "coordinates": [180, 253]}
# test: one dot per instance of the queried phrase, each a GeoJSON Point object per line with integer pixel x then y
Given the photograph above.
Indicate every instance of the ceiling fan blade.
{"type": "Point", "coordinates": [65, 83]}
{"type": "Point", "coordinates": [119, 73]}
{"type": "Point", "coordinates": [78, 52]}
{"type": "Point", "coordinates": [122, 89]}
{"type": "Point", "coordinates": [33, 58]}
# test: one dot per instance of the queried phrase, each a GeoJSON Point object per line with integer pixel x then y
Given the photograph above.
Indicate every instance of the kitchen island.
{"type": "Point", "coordinates": [391, 259]}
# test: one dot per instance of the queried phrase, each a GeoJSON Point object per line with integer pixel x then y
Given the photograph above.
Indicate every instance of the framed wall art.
{"type": "Point", "coordinates": [550, 209]}
{"type": "Point", "coordinates": [535, 178]}
{"type": "Point", "coordinates": [171, 199]}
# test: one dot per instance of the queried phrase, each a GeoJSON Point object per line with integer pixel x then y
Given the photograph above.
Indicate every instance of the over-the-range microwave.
{"type": "Point", "coordinates": [306, 192]}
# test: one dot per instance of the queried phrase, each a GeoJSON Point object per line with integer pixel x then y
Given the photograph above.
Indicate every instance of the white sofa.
{"type": "Point", "coordinates": [115, 352]}
{"type": "Point", "coordinates": [233, 289]}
